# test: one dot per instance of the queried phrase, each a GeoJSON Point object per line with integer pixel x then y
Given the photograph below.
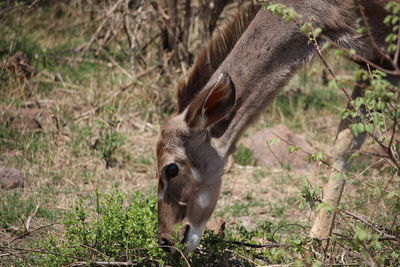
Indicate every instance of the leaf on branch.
{"type": "Point", "coordinates": [273, 141]}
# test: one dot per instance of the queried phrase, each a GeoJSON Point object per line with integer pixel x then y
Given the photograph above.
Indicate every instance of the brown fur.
{"type": "Point", "coordinates": [256, 65]}
{"type": "Point", "coordinates": [211, 55]}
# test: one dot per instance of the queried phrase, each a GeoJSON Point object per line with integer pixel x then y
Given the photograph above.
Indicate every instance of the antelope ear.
{"type": "Point", "coordinates": [212, 104]}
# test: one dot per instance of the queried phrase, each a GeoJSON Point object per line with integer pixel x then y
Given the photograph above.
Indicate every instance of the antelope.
{"type": "Point", "coordinates": [240, 70]}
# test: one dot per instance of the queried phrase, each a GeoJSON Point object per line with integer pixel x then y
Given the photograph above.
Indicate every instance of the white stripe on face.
{"type": "Point", "coordinates": [196, 174]}
{"type": "Point", "coordinates": [203, 200]}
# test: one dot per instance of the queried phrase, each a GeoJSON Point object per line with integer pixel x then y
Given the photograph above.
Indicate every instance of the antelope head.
{"type": "Point", "coordinates": [190, 168]}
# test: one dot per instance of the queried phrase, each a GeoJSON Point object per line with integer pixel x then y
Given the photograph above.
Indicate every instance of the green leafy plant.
{"type": "Point", "coordinates": [121, 228]}
{"type": "Point", "coordinates": [109, 141]}
{"type": "Point", "coordinates": [244, 156]}
{"type": "Point", "coordinates": [118, 228]}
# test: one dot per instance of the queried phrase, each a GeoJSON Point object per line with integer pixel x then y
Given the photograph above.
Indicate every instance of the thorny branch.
{"type": "Point", "coordinates": [384, 235]}
{"type": "Point", "coordinates": [394, 72]}
{"type": "Point", "coordinates": [372, 40]}
{"type": "Point", "coordinates": [30, 232]}
{"type": "Point", "coordinates": [333, 168]}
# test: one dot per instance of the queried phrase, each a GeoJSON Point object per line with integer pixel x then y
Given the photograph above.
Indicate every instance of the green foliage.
{"type": "Point", "coordinates": [310, 195]}
{"type": "Point", "coordinates": [244, 156]}
{"type": "Point", "coordinates": [292, 149]}
{"type": "Point", "coordinates": [121, 228]}
{"type": "Point", "coordinates": [392, 20]}
{"type": "Point", "coordinates": [328, 207]}
{"type": "Point", "coordinates": [81, 141]}
{"type": "Point", "coordinates": [287, 13]}
{"type": "Point", "coordinates": [377, 112]}
{"type": "Point", "coordinates": [316, 157]}
{"type": "Point", "coordinates": [111, 230]}
{"type": "Point", "coordinates": [310, 31]}
{"type": "Point", "coordinates": [273, 140]}
{"type": "Point", "coordinates": [30, 144]}
{"type": "Point", "coordinates": [109, 142]}
{"type": "Point", "coordinates": [15, 209]}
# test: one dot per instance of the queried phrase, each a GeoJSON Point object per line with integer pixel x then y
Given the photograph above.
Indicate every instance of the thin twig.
{"type": "Point", "coordinates": [335, 169]}
{"type": "Point", "coordinates": [103, 23]}
{"type": "Point", "coordinates": [104, 263]}
{"type": "Point", "coordinates": [285, 225]}
{"type": "Point", "coordinates": [111, 98]}
{"type": "Point", "coordinates": [369, 33]}
{"type": "Point", "coordinates": [396, 54]}
{"type": "Point", "coordinates": [386, 148]}
{"type": "Point", "coordinates": [241, 256]}
{"type": "Point", "coordinates": [38, 251]}
{"type": "Point", "coordinates": [28, 221]}
{"type": "Point", "coordinates": [30, 232]}
{"type": "Point", "coordinates": [360, 58]}
{"type": "Point", "coordinates": [391, 141]}
{"type": "Point", "coordinates": [319, 53]}
{"type": "Point", "coordinates": [180, 251]}
{"type": "Point", "coordinates": [283, 167]}
{"type": "Point", "coordinates": [373, 227]}
{"type": "Point", "coordinates": [244, 244]}
{"type": "Point", "coordinates": [112, 60]}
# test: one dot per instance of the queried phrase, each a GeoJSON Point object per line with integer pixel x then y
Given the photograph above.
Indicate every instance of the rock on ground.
{"type": "Point", "coordinates": [11, 178]}
{"type": "Point", "coordinates": [257, 143]}
{"type": "Point", "coordinates": [26, 118]}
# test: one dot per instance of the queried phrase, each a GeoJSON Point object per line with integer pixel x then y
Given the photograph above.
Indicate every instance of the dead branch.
{"type": "Point", "coordinates": [25, 250]}
{"type": "Point", "coordinates": [384, 235]}
{"type": "Point", "coordinates": [333, 168]}
{"type": "Point", "coordinates": [115, 64]}
{"type": "Point", "coordinates": [371, 37]}
{"type": "Point", "coordinates": [111, 98]}
{"type": "Point", "coordinates": [30, 232]}
{"type": "Point", "coordinates": [28, 221]}
{"type": "Point", "coordinates": [358, 58]}
{"type": "Point", "coordinates": [285, 225]}
{"type": "Point", "coordinates": [282, 166]}
{"type": "Point", "coordinates": [244, 244]}
{"type": "Point", "coordinates": [107, 16]}
{"type": "Point", "coordinates": [104, 263]}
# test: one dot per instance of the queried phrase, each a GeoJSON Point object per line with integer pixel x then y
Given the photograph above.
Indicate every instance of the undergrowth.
{"type": "Point", "coordinates": [122, 228]}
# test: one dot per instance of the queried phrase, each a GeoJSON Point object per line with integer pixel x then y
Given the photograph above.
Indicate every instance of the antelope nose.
{"type": "Point", "coordinates": [165, 244]}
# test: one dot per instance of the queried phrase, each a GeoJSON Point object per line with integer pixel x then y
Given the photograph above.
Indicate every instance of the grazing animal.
{"type": "Point", "coordinates": [234, 77]}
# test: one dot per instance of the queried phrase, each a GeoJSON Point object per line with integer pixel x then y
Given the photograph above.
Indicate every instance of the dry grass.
{"type": "Point", "coordinates": [99, 135]}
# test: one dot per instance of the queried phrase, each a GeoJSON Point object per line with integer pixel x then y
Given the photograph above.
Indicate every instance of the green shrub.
{"type": "Point", "coordinates": [111, 231]}
{"type": "Point", "coordinates": [121, 228]}
{"type": "Point", "coordinates": [244, 156]}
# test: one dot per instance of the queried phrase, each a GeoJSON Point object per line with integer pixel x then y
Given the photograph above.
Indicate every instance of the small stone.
{"type": "Point", "coordinates": [26, 118]}
{"type": "Point", "coordinates": [258, 144]}
{"type": "Point", "coordinates": [11, 178]}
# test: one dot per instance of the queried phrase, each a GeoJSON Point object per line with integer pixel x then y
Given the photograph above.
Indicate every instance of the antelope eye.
{"type": "Point", "coordinates": [171, 170]}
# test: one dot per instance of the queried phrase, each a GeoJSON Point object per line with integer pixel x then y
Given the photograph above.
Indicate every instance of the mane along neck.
{"type": "Point", "coordinates": [213, 54]}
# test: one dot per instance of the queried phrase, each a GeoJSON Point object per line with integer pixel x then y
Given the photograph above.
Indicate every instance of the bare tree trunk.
{"type": "Point", "coordinates": [346, 144]}
{"type": "Point", "coordinates": [216, 11]}
{"type": "Point", "coordinates": [169, 28]}
{"type": "Point", "coordinates": [175, 21]}
{"type": "Point", "coordinates": [185, 31]}
{"type": "Point", "coordinates": [174, 29]}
